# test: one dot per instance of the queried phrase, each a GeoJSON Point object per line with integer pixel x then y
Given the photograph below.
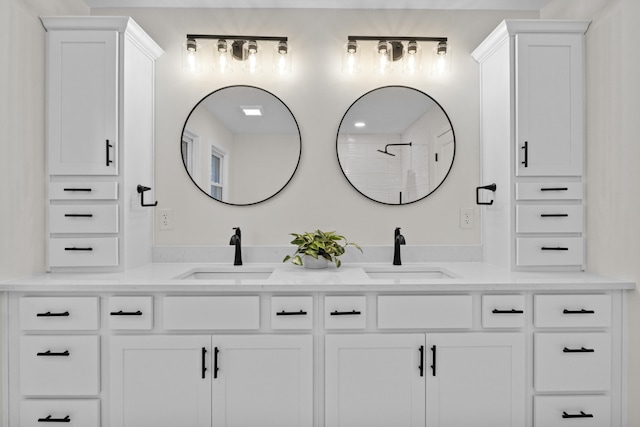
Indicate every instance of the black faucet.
{"type": "Point", "coordinates": [235, 240]}
{"type": "Point", "coordinates": [397, 241]}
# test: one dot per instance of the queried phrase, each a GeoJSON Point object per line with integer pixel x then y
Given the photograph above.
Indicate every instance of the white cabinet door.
{"type": "Point", "coordinates": [161, 381]}
{"type": "Point", "coordinates": [262, 380]}
{"type": "Point", "coordinates": [375, 380]}
{"type": "Point", "coordinates": [549, 114]}
{"type": "Point", "coordinates": [475, 379]}
{"type": "Point", "coordinates": [82, 102]}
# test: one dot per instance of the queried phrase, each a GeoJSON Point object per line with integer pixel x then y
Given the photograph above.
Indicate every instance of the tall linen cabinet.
{"type": "Point", "coordinates": [532, 136]}
{"type": "Point", "coordinates": [100, 135]}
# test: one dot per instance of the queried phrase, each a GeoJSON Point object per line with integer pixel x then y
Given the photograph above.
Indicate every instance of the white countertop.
{"type": "Point", "coordinates": [462, 276]}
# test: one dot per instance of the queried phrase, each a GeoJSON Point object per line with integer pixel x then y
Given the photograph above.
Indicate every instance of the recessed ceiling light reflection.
{"type": "Point", "coordinates": [359, 124]}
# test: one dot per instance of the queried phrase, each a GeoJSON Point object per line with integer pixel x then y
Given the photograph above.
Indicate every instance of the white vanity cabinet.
{"type": "Point", "coordinates": [532, 139]}
{"type": "Point", "coordinates": [519, 356]}
{"type": "Point", "coordinates": [100, 129]}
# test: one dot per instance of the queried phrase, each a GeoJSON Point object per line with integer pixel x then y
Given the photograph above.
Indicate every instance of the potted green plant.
{"type": "Point", "coordinates": [322, 246]}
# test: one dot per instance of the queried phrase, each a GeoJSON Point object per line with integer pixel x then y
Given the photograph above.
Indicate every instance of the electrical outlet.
{"type": "Point", "coordinates": [166, 219]}
{"type": "Point", "coordinates": [466, 218]}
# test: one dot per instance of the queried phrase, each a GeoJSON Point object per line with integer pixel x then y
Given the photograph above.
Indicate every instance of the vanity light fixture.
{"type": "Point", "coordinates": [359, 124]}
{"type": "Point", "coordinates": [236, 52]}
{"type": "Point", "coordinates": [389, 51]}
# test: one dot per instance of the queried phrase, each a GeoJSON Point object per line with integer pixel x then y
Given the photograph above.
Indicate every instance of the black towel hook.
{"type": "Point", "coordinates": [141, 190]}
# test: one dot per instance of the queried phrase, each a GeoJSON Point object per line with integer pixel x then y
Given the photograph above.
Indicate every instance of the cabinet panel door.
{"type": "Point", "coordinates": [476, 379]}
{"type": "Point", "coordinates": [82, 90]}
{"type": "Point", "coordinates": [549, 114]}
{"type": "Point", "coordinates": [374, 380]}
{"type": "Point", "coordinates": [262, 380]}
{"type": "Point", "coordinates": [157, 381]}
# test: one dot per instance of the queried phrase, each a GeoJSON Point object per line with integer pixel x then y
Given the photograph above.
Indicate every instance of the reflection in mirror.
{"type": "Point", "coordinates": [241, 145]}
{"type": "Point", "coordinates": [396, 145]}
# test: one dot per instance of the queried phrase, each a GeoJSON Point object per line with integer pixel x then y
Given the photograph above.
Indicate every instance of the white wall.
{"type": "Point", "coordinates": [613, 129]}
{"type": "Point", "coordinates": [318, 94]}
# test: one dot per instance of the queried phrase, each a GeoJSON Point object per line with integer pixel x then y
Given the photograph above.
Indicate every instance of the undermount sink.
{"type": "Point", "coordinates": [227, 273]}
{"type": "Point", "coordinates": [407, 273]}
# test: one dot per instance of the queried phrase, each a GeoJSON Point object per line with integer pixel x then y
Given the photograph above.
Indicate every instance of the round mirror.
{"type": "Point", "coordinates": [396, 145]}
{"type": "Point", "coordinates": [241, 145]}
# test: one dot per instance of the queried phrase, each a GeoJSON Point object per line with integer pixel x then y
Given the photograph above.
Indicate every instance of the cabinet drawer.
{"type": "Point", "coordinates": [227, 312]}
{"type": "Point", "coordinates": [552, 251]}
{"type": "Point", "coordinates": [549, 219]}
{"type": "Point", "coordinates": [345, 312]}
{"type": "Point", "coordinates": [59, 365]}
{"type": "Point", "coordinates": [83, 219]}
{"type": "Point", "coordinates": [131, 312]}
{"type": "Point", "coordinates": [83, 252]}
{"type": "Point", "coordinates": [579, 411]}
{"type": "Point", "coordinates": [563, 311]}
{"type": "Point", "coordinates": [549, 191]}
{"type": "Point", "coordinates": [73, 413]}
{"type": "Point", "coordinates": [422, 312]}
{"type": "Point", "coordinates": [292, 312]}
{"type": "Point", "coordinates": [83, 191]}
{"type": "Point", "coordinates": [59, 313]}
{"type": "Point", "coordinates": [572, 361]}
{"type": "Point", "coordinates": [503, 311]}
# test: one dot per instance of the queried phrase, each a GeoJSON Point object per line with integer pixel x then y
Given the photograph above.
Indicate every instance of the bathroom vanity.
{"type": "Point", "coordinates": [371, 344]}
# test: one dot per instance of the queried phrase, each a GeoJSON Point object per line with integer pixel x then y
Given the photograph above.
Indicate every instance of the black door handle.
{"type": "Point", "coordinates": [126, 313]}
{"type": "Point", "coordinates": [512, 311]}
{"type": "Point", "coordinates": [78, 215]}
{"type": "Point", "coordinates": [215, 362]}
{"type": "Point", "coordinates": [433, 367]}
{"type": "Point", "coordinates": [50, 353]}
{"type": "Point", "coordinates": [553, 215]}
{"type": "Point", "coordinates": [78, 249]}
{"type": "Point", "coordinates": [546, 248]}
{"type": "Point", "coordinates": [204, 362]}
{"type": "Point", "coordinates": [49, 419]}
{"type": "Point", "coordinates": [109, 161]}
{"type": "Point", "coordinates": [421, 365]}
{"type": "Point", "coordinates": [580, 415]}
{"type": "Point", "coordinates": [525, 147]}
{"type": "Point", "coordinates": [50, 314]}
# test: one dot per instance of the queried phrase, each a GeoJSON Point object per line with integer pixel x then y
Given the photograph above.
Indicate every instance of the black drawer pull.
{"type": "Point", "coordinates": [48, 419]}
{"type": "Point", "coordinates": [50, 353]}
{"type": "Point", "coordinates": [578, 350]}
{"type": "Point", "coordinates": [78, 249]}
{"type": "Point", "coordinates": [76, 189]}
{"type": "Point", "coordinates": [580, 415]}
{"type": "Point", "coordinates": [545, 248]}
{"type": "Point", "coordinates": [512, 311]}
{"type": "Point", "coordinates": [291, 313]}
{"type": "Point", "coordinates": [553, 215]}
{"type": "Point", "coordinates": [78, 215]}
{"type": "Point", "coordinates": [345, 313]}
{"type": "Point", "coordinates": [50, 314]}
{"type": "Point", "coordinates": [421, 365]}
{"type": "Point", "coordinates": [554, 189]}
{"type": "Point", "coordinates": [126, 313]}
{"type": "Point", "coordinates": [582, 311]}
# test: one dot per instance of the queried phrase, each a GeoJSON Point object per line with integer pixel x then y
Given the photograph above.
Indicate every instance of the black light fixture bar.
{"type": "Point", "coordinates": [383, 38]}
{"type": "Point", "coordinates": [218, 37]}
